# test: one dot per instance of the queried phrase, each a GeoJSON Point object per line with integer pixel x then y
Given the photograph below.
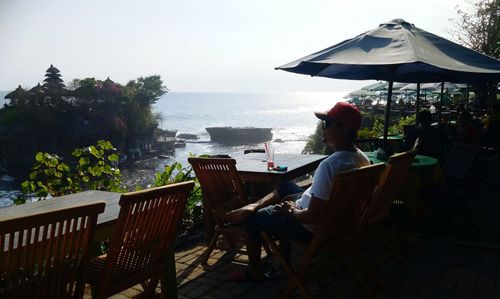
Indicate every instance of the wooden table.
{"type": "Point", "coordinates": [252, 167]}
{"type": "Point", "coordinates": [424, 171]}
{"type": "Point", "coordinates": [422, 165]}
{"type": "Point", "coordinates": [104, 227]}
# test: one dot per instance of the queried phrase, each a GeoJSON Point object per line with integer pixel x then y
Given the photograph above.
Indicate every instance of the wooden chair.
{"type": "Point", "coordinates": [145, 230]}
{"type": "Point", "coordinates": [383, 196]}
{"type": "Point", "coordinates": [45, 255]}
{"type": "Point", "coordinates": [449, 199]}
{"type": "Point", "coordinates": [388, 187]}
{"type": "Point", "coordinates": [222, 192]}
{"type": "Point", "coordinates": [336, 234]}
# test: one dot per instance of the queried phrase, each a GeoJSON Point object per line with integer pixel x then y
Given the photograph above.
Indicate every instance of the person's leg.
{"type": "Point", "coordinates": [271, 221]}
{"type": "Point", "coordinates": [288, 188]}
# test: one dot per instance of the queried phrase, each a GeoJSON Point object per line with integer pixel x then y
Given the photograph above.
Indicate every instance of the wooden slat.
{"type": "Point", "coordinates": [36, 262]}
{"type": "Point", "coordinates": [336, 233]}
{"type": "Point", "coordinates": [145, 228]}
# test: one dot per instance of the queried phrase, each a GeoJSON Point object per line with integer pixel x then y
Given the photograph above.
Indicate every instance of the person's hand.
{"type": "Point", "coordinates": [239, 215]}
{"type": "Point", "coordinates": [286, 207]}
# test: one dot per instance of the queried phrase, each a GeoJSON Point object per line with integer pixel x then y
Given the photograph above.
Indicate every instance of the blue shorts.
{"type": "Point", "coordinates": [268, 219]}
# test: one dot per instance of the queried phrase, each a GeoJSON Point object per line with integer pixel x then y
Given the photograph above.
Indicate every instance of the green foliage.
{"type": "Point", "coordinates": [376, 131]}
{"type": "Point", "coordinates": [315, 143]}
{"type": "Point", "coordinates": [51, 118]}
{"type": "Point", "coordinates": [478, 27]}
{"type": "Point", "coordinates": [398, 127]}
{"type": "Point", "coordinates": [175, 173]}
{"type": "Point", "coordinates": [93, 170]}
{"type": "Point", "coordinates": [49, 176]}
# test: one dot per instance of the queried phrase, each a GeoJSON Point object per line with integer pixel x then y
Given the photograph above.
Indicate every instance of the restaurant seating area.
{"type": "Point", "coordinates": [386, 243]}
{"type": "Point", "coordinates": [443, 263]}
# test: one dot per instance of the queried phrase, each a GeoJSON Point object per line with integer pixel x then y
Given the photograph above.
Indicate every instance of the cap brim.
{"type": "Point", "coordinates": [321, 115]}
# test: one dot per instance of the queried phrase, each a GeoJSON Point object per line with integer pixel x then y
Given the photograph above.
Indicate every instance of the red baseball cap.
{"type": "Point", "coordinates": [344, 113]}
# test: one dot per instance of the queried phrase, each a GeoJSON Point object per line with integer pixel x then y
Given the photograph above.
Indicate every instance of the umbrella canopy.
{"type": "Point", "coordinates": [379, 86]}
{"type": "Point", "coordinates": [399, 51]}
{"type": "Point", "coordinates": [413, 86]}
{"type": "Point", "coordinates": [362, 93]}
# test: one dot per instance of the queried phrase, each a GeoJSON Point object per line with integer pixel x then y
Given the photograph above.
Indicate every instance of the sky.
{"type": "Point", "coordinates": [202, 46]}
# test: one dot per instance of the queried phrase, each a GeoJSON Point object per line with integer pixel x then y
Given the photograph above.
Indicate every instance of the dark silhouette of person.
{"type": "Point", "coordinates": [468, 131]}
{"type": "Point", "coordinates": [492, 127]}
{"type": "Point", "coordinates": [426, 139]}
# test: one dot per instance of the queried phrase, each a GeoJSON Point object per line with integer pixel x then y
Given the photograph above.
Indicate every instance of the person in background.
{"type": "Point", "coordinates": [433, 141]}
{"type": "Point", "coordinates": [296, 217]}
{"type": "Point", "coordinates": [492, 127]}
{"type": "Point", "coordinates": [468, 131]}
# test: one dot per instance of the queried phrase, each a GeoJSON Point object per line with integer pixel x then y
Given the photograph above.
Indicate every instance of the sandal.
{"type": "Point", "coordinates": [245, 276]}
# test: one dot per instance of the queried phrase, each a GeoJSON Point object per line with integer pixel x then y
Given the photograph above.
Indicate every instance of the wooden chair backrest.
{"type": "Point", "coordinates": [220, 183]}
{"type": "Point", "coordinates": [388, 186]}
{"type": "Point", "coordinates": [350, 192]}
{"type": "Point", "coordinates": [145, 229]}
{"type": "Point", "coordinates": [459, 161]}
{"type": "Point", "coordinates": [45, 255]}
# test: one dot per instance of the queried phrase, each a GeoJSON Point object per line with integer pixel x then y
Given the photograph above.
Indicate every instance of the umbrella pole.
{"type": "Point", "coordinates": [387, 114]}
{"type": "Point", "coordinates": [441, 101]}
{"type": "Point", "coordinates": [417, 103]}
{"type": "Point", "coordinates": [466, 97]}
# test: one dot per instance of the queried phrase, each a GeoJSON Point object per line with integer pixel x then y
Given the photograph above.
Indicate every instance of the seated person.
{"type": "Point", "coordinates": [492, 127]}
{"type": "Point", "coordinates": [295, 219]}
{"type": "Point", "coordinates": [433, 141]}
{"type": "Point", "coordinates": [467, 131]}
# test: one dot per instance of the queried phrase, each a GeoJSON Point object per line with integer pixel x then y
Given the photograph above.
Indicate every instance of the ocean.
{"type": "Point", "coordinates": [290, 115]}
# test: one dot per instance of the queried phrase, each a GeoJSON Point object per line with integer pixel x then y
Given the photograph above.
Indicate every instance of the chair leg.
{"type": "Point", "coordinates": [393, 252]}
{"type": "Point", "coordinates": [210, 247]}
{"type": "Point", "coordinates": [293, 279]}
{"type": "Point", "coordinates": [289, 290]}
{"type": "Point", "coordinates": [94, 291]}
{"type": "Point", "coordinates": [353, 273]}
{"type": "Point", "coordinates": [267, 249]}
{"type": "Point", "coordinates": [150, 287]}
{"type": "Point", "coordinates": [367, 268]}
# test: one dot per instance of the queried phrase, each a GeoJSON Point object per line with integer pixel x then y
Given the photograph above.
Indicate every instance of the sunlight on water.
{"type": "Point", "coordinates": [289, 114]}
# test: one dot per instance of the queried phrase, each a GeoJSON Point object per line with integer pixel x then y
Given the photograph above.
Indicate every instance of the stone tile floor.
{"type": "Point", "coordinates": [439, 268]}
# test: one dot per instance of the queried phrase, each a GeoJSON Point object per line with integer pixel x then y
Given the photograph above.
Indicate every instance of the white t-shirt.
{"type": "Point", "coordinates": [322, 183]}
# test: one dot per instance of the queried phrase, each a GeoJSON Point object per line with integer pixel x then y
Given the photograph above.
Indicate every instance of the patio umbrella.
{"type": "Point", "coordinates": [379, 86]}
{"type": "Point", "coordinates": [362, 93]}
{"type": "Point", "coordinates": [397, 51]}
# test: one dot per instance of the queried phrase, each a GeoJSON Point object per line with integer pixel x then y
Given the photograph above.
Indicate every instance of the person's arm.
{"type": "Point", "coordinates": [238, 215]}
{"type": "Point", "coordinates": [316, 211]}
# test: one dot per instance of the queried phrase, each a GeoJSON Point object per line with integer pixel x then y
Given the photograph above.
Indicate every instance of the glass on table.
{"type": "Point", "coordinates": [269, 150]}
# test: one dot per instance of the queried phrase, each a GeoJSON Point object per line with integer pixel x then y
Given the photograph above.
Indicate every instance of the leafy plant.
{"type": "Point", "coordinates": [398, 127]}
{"type": "Point", "coordinates": [176, 173]}
{"type": "Point", "coordinates": [49, 176]}
{"type": "Point", "coordinates": [315, 144]}
{"type": "Point", "coordinates": [93, 170]}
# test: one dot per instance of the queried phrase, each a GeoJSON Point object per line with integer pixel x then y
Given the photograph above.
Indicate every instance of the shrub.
{"type": "Point", "coordinates": [94, 169]}
{"type": "Point", "coordinates": [175, 173]}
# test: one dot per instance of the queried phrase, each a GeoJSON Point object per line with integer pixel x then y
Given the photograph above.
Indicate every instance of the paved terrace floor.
{"type": "Point", "coordinates": [448, 257]}
{"type": "Point", "coordinates": [438, 269]}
